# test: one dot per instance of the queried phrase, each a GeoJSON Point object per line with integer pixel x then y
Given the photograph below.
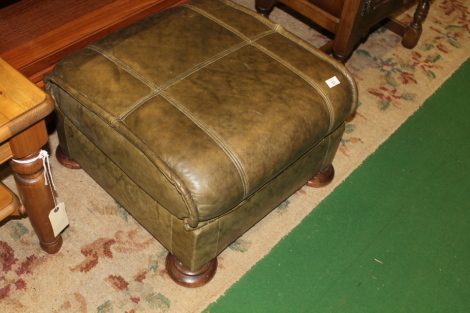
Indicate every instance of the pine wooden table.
{"type": "Point", "coordinates": [23, 107]}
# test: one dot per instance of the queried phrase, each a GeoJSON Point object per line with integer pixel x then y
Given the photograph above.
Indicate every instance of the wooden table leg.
{"type": "Point", "coordinates": [35, 195]}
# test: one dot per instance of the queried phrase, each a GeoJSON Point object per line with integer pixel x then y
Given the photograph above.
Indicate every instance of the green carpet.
{"type": "Point", "coordinates": [394, 237]}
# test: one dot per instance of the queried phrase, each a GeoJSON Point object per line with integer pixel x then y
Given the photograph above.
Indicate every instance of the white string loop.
{"type": "Point", "coordinates": [49, 181]}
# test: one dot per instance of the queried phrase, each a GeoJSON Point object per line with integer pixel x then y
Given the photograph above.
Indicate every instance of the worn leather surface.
{"type": "Point", "coordinates": [212, 113]}
{"type": "Point", "coordinates": [196, 246]}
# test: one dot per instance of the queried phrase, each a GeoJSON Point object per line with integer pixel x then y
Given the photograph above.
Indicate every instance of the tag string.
{"type": "Point", "coordinates": [49, 181]}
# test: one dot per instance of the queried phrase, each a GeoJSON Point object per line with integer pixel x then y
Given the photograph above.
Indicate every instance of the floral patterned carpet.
{"type": "Point", "coordinates": [109, 263]}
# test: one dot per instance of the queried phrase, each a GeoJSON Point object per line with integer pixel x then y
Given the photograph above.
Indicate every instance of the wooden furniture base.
{"type": "Point", "coordinates": [350, 21]}
{"type": "Point", "coordinates": [65, 160]}
{"type": "Point", "coordinates": [323, 178]}
{"type": "Point", "coordinates": [184, 277]}
{"type": "Point", "coordinates": [23, 107]}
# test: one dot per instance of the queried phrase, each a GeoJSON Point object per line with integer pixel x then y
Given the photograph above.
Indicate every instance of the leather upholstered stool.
{"type": "Point", "coordinates": [199, 121]}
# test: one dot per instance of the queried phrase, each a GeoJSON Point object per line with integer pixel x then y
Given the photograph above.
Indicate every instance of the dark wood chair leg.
{"type": "Point", "coordinates": [323, 178]}
{"type": "Point", "coordinates": [184, 277]}
{"type": "Point", "coordinates": [65, 160]}
{"type": "Point", "coordinates": [341, 58]}
{"type": "Point", "coordinates": [264, 7]}
{"type": "Point", "coordinates": [414, 30]}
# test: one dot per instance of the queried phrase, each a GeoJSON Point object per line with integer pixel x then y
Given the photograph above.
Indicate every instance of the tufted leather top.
{"type": "Point", "coordinates": [203, 119]}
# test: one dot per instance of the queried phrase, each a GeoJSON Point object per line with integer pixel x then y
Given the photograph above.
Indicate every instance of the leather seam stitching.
{"type": "Point", "coordinates": [240, 8]}
{"type": "Point", "coordinates": [220, 55]}
{"type": "Point", "coordinates": [224, 146]}
{"type": "Point", "coordinates": [326, 154]}
{"type": "Point", "coordinates": [202, 65]}
{"type": "Point", "coordinates": [189, 202]}
{"type": "Point", "coordinates": [218, 237]}
{"type": "Point", "coordinates": [341, 68]}
{"type": "Point", "coordinates": [307, 79]}
{"type": "Point", "coordinates": [252, 42]}
{"type": "Point", "coordinates": [171, 234]}
{"type": "Point", "coordinates": [161, 91]}
{"type": "Point", "coordinates": [155, 90]}
{"type": "Point", "coordinates": [229, 28]}
{"type": "Point", "coordinates": [214, 136]}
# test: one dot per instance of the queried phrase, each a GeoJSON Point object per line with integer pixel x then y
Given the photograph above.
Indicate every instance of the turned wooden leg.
{"type": "Point", "coordinates": [65, 160]}
{"type": "Point", "coordinates": [34, 193]}
{"type": "Point", "coordinates": [414, 30]}
{"type": "Point", "coordinates": [323, 178]}
{"type": "Point", "coordinates": [341, 58]}
{"type": "Point", "coordinates": [184, 277]}
{"type": "Point", "coordinates": [264, 7]}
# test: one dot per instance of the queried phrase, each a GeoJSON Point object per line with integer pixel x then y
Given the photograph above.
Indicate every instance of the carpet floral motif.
{"type": "Point", "coordinates": [400, 77]}
{"type": "Point", "coordinates": [109, 263]}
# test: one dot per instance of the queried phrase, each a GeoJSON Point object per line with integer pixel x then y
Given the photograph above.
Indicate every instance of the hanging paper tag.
{"type": "Point", "coordinates": [58, 218]}
{"type": "Point", "coordinates": [333, 81]}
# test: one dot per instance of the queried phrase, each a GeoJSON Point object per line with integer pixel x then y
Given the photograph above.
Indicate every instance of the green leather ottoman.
{"type": "Point", "coordinates": [199, 121]}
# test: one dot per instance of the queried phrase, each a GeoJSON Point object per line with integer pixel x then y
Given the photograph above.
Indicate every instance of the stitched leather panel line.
{"type": "Point", "coordinates": [213, 59]}
{"type": "Point", "coordinates": [338, 66]}
{"type": "Point", "coordinates": [252, 42]}
{"type": "Point", "coordinates": [311, 82]}
{"type": "Point", "coordinates": [160, 91]}
{"type": "Point", "coordinates": [189, 201]}
{"type": "Point", "coordinates": [156, 91]}
{"type": "Point", "coordinates": [214, 136]}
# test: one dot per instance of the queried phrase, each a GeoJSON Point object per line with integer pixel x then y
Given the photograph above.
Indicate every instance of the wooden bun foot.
{"type": "Point", "coordinates": [65, 160]}
{"type": "Point", "coordinates": [411, 37]}
{"type": "Point", "coordinates": [323, 178]}
{"type": "Point", "coordinates": [182, 276]}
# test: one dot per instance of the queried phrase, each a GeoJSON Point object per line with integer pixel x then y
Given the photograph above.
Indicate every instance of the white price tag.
{"type": "Point", "coordinates": [333, 81]}
{"type": "Point", "coordinates": [58, 218]}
